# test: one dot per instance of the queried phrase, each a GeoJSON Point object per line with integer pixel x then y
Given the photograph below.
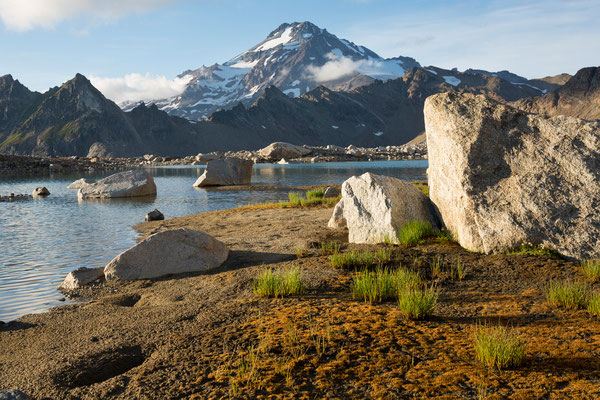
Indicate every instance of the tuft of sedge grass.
{"type": "Point", "coordinates": [593, 305]}
{"type": "Point", "coordinates": [416, 302]}
{"type": "Point", "coordinates": [527, 249]}
{"type": "Point", "coordinates": [282, 283]}
{"type": "Point", "coordinates": [591, 269]}
{"type": "Point", "coordinates": [444, 235]}
{"type": "Point", "coordinates": [330, 247]}
{"type": "Point", "coordinates": [316, 194]}
{"type": "Point", "coordinates": [567, 294]}
{"type": "Point", "coordinates": [414, 232]}
{"type": "Point", "coordinates": [498, 347]}
{"type": "Point", "coordinates": [383, 284]}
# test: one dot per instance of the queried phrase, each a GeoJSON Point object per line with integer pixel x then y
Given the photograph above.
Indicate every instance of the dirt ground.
{"type": "Point", "coordinates": [208, 336]}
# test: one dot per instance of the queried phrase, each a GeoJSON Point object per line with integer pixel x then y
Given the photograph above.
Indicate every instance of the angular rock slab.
{"type": "Point", "coordinates": [169, 252]}
{"type": "Point", "coordinates": [80, 277]}
{"type": "Point", "coordinates": [501, 177]}
{"type": "Point", "coordinates": [134, 183]}
{"type": "Point", "coordinates": [376, 207]}
{"type": "Point", "coordinates": [79, 183]}
{"type": "Point", "coordinates": [279, 150]}
{"type": "Point", "coordinates": [226, 172]}
{"type": "Point", "coordinates": [337, 220]}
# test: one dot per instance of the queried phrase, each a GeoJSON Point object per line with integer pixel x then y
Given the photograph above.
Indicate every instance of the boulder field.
{"type": "Point", "coordinates": [501, 177]}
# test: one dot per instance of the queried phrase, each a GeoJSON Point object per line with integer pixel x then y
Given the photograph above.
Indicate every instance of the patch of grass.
{"type": "Point", "coordinates": [593, 305]}
{"type": "Point", "coordinates": [282, 283]}
{"type": "Point", "coordinates": [299, 252]}
{"type": "Point", "coordinates": [414, 232]}
{"type": "Point", "coordinates": [528, 250]}
{"type": "Point", "coordinates": [498, 347]}
{"type": "Point", "coordinates": [444, 235]}
{"type": "Point", "coordinates": [417, 303]}
{"type": "Point", "coordinates": [591, 269]}
{"type": "Point", "coordinates": [316, 194]}
{"type": "Point", "coordinates": [330, 247]}
{"type": "Point", "coordinates": [383, 284]}
{"type": "Point", "coordinates": [567, 294]}
{"type": "Point", "coordinates": [384, 256]}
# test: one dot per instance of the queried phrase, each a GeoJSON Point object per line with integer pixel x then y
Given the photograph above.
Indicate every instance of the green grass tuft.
{"type": "Point", "coordinates": [330, 247]}
{"type": "Point", "coordinates": [316, 194]}
{"type": "Point", "coordinates": [417, 303]}
{"type": "Point", "coordinates": [498, 347]}
{"type": "Point", "coordinates": [593, 305]}
{"type": "Point", "coordinates": [591, 269]}
{"type": "Point", "coordinates": [383, 284]}
{"type": "Point", "coordinates": [282, 283]}
{"type": "Point", "coordinates": [528, 250]}
{"type": "Point", "coordinates": [567, 294]}
{"type": "Point", "coordinates": [414, 232]}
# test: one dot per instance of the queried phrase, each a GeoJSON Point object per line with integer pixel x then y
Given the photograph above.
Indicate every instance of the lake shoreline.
{"type": "Point", "coordinates": [185, 336]}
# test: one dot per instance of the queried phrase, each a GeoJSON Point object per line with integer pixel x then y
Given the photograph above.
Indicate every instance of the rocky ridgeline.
{"type": "Point", "coordinates": [20, 165]}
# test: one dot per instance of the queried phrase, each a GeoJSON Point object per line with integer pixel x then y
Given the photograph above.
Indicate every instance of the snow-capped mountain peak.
{"type": "Point", "coordinates": [295, 57]}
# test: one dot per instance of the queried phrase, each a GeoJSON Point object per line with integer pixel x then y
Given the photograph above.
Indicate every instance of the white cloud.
{"type": "Point", "coordinates": [138, 87]}
{"type": "Point", "coordinates": [23, 15]}
{"type": "Point", "coordinates": [335, 68]}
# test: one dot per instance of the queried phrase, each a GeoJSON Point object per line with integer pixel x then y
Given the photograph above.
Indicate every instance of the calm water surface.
{"type": "Point", "coordinates": [41, 240]}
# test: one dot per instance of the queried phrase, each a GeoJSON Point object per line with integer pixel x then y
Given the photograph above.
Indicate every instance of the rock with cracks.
{"type": "Point", "coordinates": [79, 183]}
{"type": "Point", "coordinates": [501, 177]}
{"type": "Point", "coordinates": [134, 183]}
{"type": "Point", "coordinates": [225, 172]}
{"type": "Point", "coordinates": [376, 207]}
{"type": "Point", "coordinates": [279, 150]}
{"type": "Point", "coordinates": [169, 252]}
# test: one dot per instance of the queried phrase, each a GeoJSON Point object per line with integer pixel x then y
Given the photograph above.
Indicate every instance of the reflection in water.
{"type": "Point", "coordinates": [41, 240]}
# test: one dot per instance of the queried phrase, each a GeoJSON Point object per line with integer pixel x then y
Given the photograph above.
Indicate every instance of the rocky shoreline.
{"type": "Point", "coordinates": [11, 165]}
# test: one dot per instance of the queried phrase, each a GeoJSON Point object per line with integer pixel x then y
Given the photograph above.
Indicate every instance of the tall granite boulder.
{"type": "Point", "coordinates": [376, 207]}
{"type": "Point", "coordinates": [226, 172]}
{"type": "Point", "coordinates": [134, 183]}
{"type": "Point", "coordinates": [501, 177]}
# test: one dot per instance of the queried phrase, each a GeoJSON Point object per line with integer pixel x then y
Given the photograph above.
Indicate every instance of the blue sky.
{"type": "Point", "coordinates": [45, 42]}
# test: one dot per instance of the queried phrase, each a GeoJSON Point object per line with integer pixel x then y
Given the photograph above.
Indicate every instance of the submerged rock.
{"type": "Point", "coordinates": [155, 216]}
{"type": "Point", "coordinates": [132, 183]}
{"type": "Point", "coordinates": [80, 277]}
{"type": "Point", "coordinates": [376, 208]}
{"type": "Point", "coordinates": [225, 172]}
{"type": "Point", "coordinates": [40, 192]}
{"type": "Point", "coordinates": [169, 252]}
{"type": "Point", "coordinates": [501, 177]}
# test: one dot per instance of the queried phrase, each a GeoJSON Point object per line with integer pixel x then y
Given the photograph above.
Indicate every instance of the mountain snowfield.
{"type": "Point", "coordinates": [295, 57]}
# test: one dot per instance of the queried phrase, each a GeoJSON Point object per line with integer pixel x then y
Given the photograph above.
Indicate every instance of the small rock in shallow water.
{"type": "Point", "coordinates": [155, 216]}
{"type": "Point", "coordinates": [40, 192]}
{"type": "Point", "coordinates": [13, 394]}
{"type": "Point", "coordinates": [81, 276]}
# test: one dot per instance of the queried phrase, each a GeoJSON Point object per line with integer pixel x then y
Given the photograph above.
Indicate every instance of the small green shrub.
{"type": "Point", "coordinates": [287, 282]}
{"type": "Point", "coordinates": [353, 259]}
{"type": "Point", "coordinates": [593, 305]}
{"type": "Point", "coordinates": [330, 247]}
{"type": "Point", "coordinates": [316, 194]}
{"type": "Point", "coordinates": [414, 232]}
{"type": "Point", "coordinates": [498, 347]}
{"type": "Point", "coordinates": [567, 294]}
{"type": "Point", "coordinates": [591, 269]}
{"type": "Point", "coordinates": [417, 303]}
{"type": "Point", "coordinates": [528, 250]}
{"type": "Point", "coordinates": [296, 199]}
{"type": "Point", "coordinates": [383, 284]}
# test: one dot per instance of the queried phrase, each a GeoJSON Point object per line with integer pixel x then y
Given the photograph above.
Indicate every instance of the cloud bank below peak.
{"type": "Point", "coordinates": [24, 15]}
{"type": "Point", "coordinates": [137, 87]}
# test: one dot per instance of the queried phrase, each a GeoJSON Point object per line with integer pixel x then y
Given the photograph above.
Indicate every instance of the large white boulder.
{"type": "Point", "coordinates": [226, 172]}
{"type": "Point", "coordinates": [279, 150]}
{"type": "Point", "coordinates": [169, 252]}
{"type": "Point", "coordinates": [376, 208]}
{"type": "Point", "coordinates": [501, 177]}
{"type": "Point", "coordinates": [123, 184]}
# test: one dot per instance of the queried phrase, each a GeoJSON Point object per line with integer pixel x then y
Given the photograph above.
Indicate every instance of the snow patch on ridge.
{"type": "Point", "coordinates": [452, 80]}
